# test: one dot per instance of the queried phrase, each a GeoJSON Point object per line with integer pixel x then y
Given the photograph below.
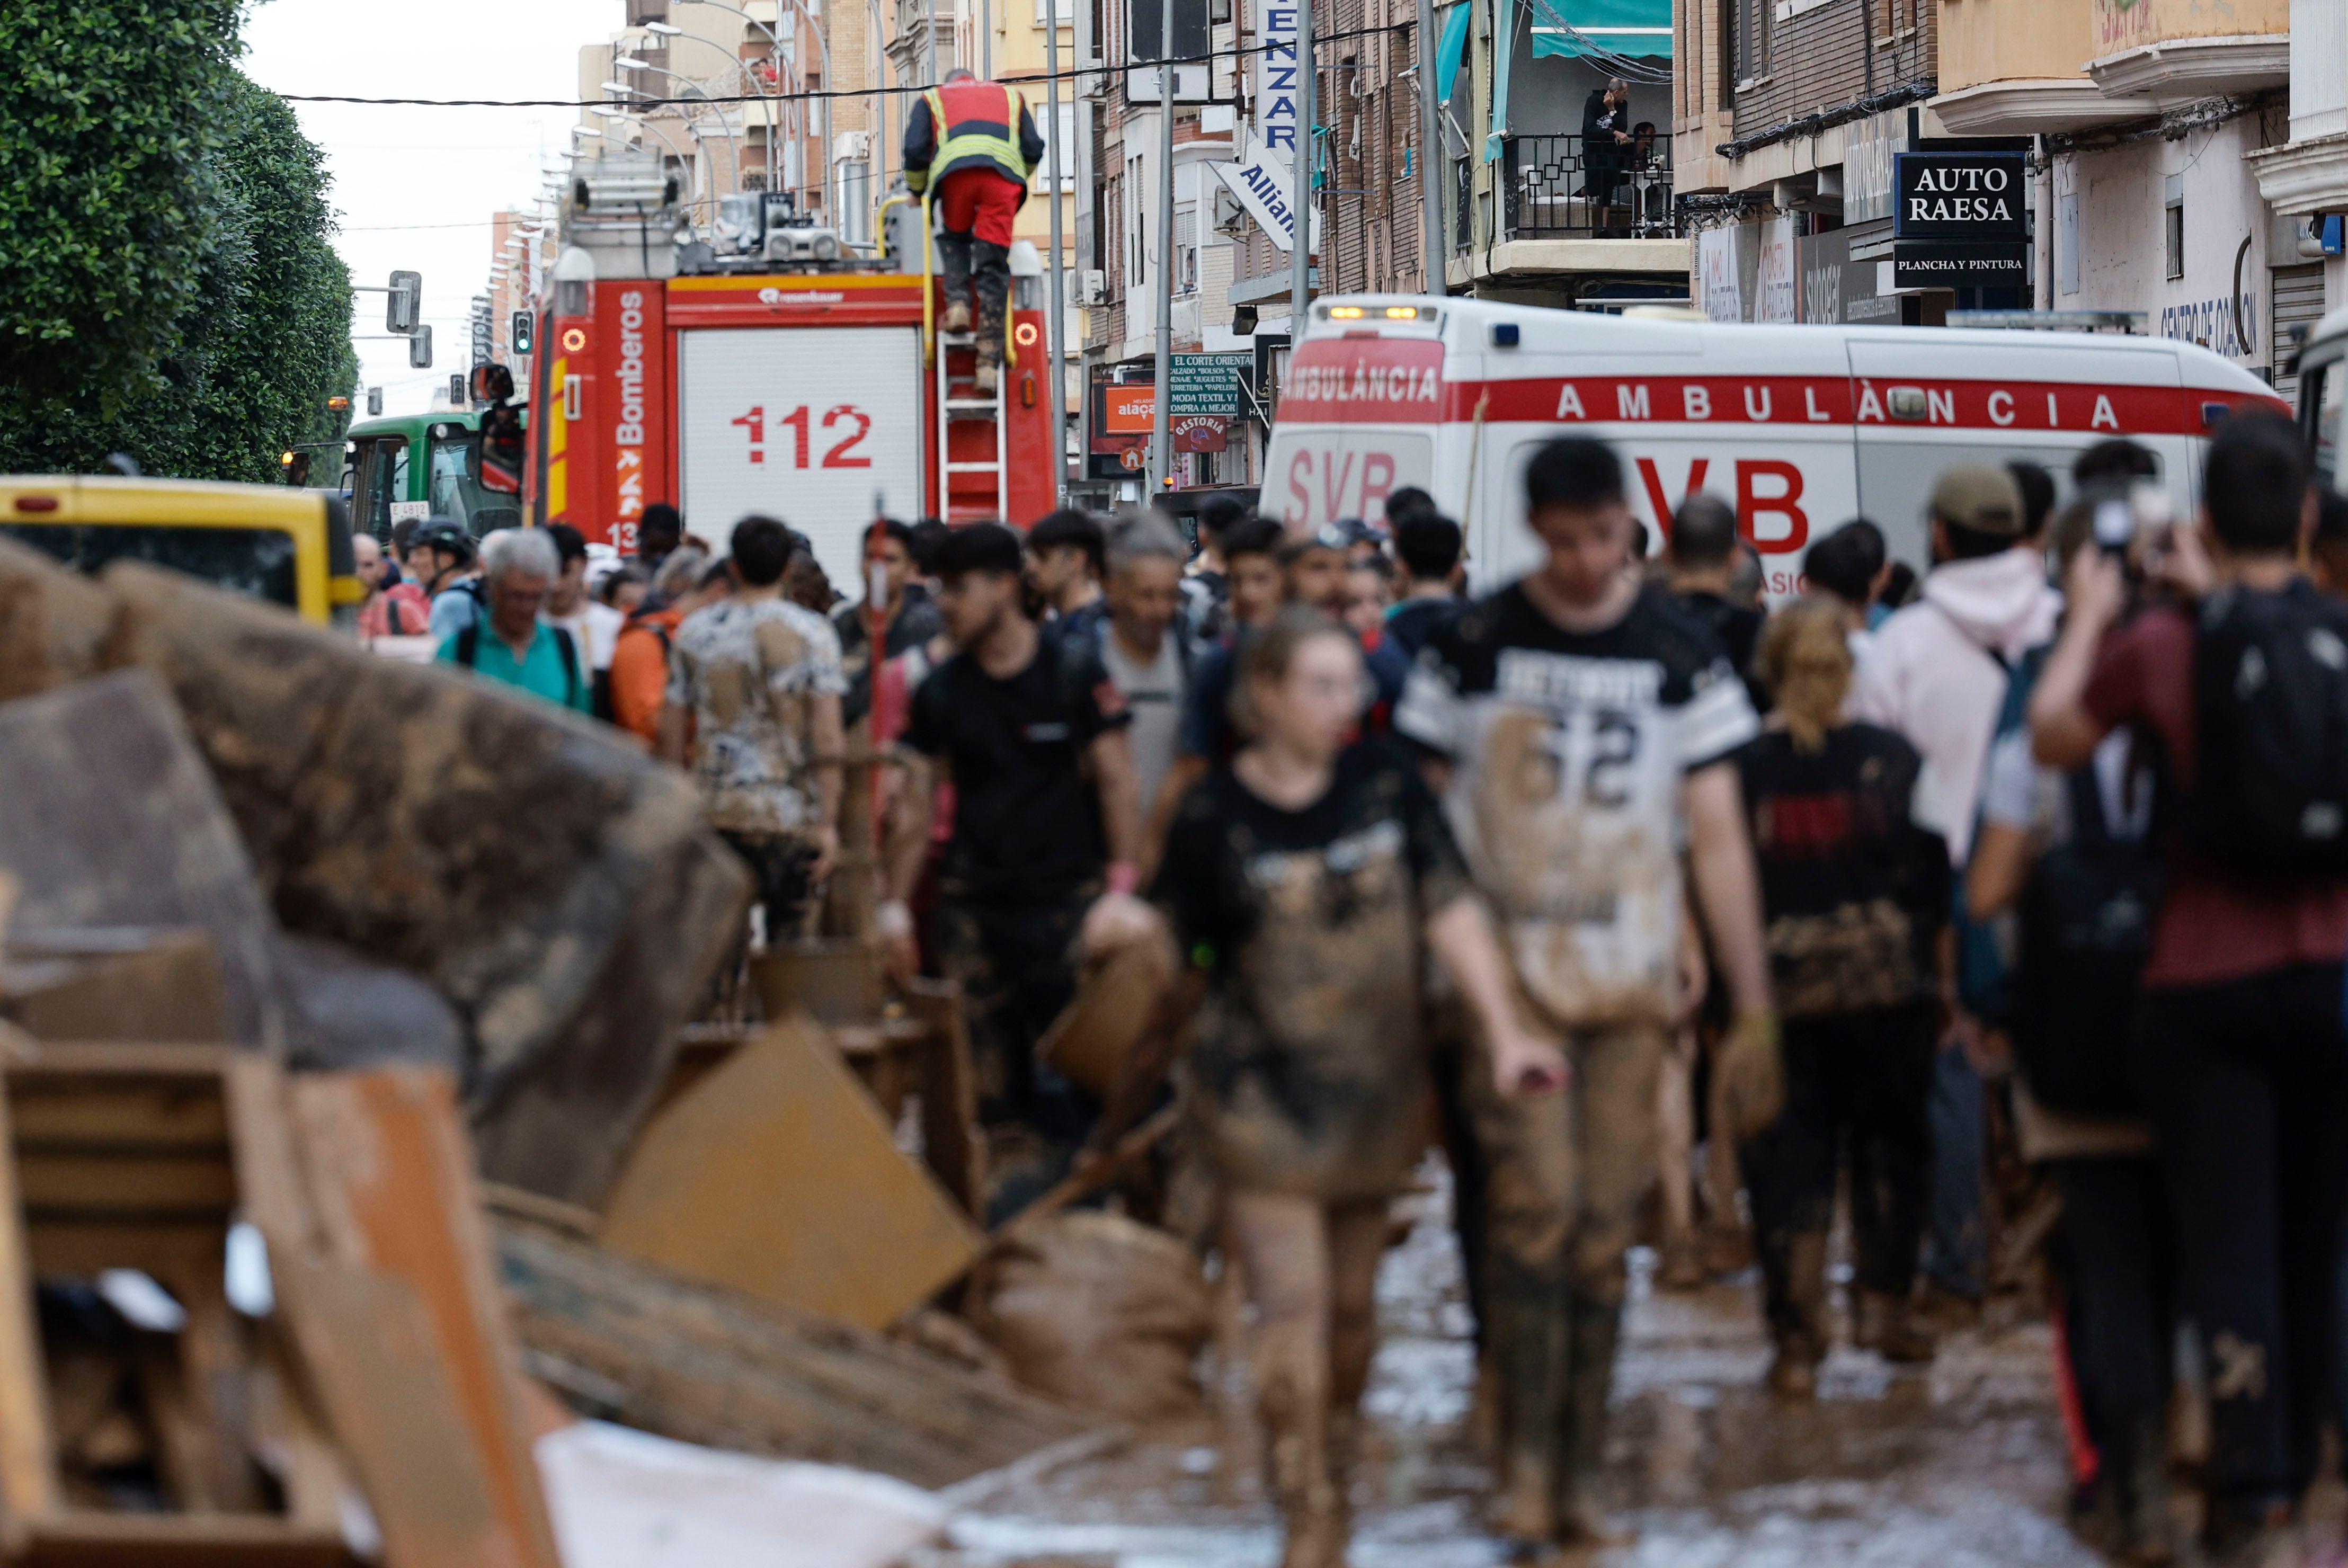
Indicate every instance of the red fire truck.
{"type": "Point", "coordinates": [767, 369]}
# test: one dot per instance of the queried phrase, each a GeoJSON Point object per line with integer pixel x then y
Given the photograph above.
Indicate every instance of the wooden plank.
{"type": "Point", "coordinates": [133, 983]}
{"type": "Point", "coordinates": [834, 981]}
{"type": "Point", "coordinates": [394, 1196]}
{"type": "Point", "coordinates": [116, 1185]}
{"type": "Point", "coordinates": [379, 1364]}
{"type": "Point", "coordinates": [778, 1176]}
{"type": "Point", "coordinates": [176, 1540]}
{"type": "Point", "coordinates": [28, 1466]}
{"type": "Point", "coordinates": [158, 1117]}
{"type": "Point", "coordinates": [638, 1345]}
{"type": "Point", "coordinates": [79, 1248]}
{"type": "Point", "coordinates": [953, 1144]}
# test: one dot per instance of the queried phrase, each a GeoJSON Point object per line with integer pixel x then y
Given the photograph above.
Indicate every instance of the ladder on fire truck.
{"type": "Point", "coordinates": [941, 346]}
{"type": "Point", "coordinates": [972, 407]}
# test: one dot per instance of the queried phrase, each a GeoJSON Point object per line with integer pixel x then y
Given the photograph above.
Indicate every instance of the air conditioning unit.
{"type": "Point", "coordinates": [1096, 287]}
{"type": "Point", "coordinates": [802, 243]}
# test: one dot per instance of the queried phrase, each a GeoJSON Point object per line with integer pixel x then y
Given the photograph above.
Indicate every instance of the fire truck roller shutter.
{"type": "Point", "coordinates": [803, 423]}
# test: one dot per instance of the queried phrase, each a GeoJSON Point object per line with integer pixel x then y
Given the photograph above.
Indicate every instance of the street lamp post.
{"type": "Point", "coordinates": [1161, 420]}
{"type": "Point", "coordinates": [1059, 322]}
{"type": "Point", "coordinates": [823, 53]}
{"type": "Point", "coordinates": [627, 64]}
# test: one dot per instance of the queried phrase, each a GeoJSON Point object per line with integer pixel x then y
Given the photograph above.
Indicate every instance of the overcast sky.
{"type": "Point", "coordinates": [415, 187]}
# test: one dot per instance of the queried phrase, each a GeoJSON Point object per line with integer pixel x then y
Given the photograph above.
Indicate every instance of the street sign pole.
{"type": "Point", "coordinates": [1300, 254]}
{"type": "Point", "coordinates": [1161, 440]}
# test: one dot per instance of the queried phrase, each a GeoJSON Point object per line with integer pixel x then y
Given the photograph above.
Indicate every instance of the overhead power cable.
{"type": "Point", "coordinates": [697, 101]}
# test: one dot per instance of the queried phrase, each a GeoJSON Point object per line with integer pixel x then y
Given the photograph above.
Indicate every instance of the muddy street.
{"type": "Point", "coordinates": [1958, 1464]}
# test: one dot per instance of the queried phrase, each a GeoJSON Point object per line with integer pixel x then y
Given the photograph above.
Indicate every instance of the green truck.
{"type": "Point", "coordinates": [420, 466]}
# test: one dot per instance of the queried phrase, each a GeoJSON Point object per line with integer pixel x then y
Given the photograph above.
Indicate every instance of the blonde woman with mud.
{"type": "Point", "coordinates": [1854, 895]}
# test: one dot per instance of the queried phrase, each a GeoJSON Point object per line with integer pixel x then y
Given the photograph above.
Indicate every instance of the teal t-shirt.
{"type": "Point", "coordinates": [540, 670]}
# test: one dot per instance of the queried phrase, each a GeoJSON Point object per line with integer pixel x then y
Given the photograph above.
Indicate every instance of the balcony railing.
{"type": "Point", "coordinates": [1553, 189]}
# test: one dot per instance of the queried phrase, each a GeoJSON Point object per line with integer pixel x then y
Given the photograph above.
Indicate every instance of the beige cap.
{"type": "Point", "coordinates": [1982, 497]}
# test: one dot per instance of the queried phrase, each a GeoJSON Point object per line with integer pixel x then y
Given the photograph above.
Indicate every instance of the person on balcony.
{"type": "Point", "coordinates": [1605, 145]}
{"type": "Point", "coordinates": [976, 143]}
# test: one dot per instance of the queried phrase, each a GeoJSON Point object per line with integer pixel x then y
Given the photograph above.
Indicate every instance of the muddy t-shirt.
{"type": "Point", "coordinates": [1854, 893]}
{"type": "Point", "coordinates": [1027, 819]}
{"type": "Point", "coordinates": [1309, 1067]}
{"type": "Point", "coordinates": [1568, 750]}
{"type": "Point", "coordinates": [749, 671]}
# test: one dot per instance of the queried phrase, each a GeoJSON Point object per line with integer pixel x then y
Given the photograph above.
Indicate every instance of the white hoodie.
{"type": "Point", "coordinates": [1935, 676]}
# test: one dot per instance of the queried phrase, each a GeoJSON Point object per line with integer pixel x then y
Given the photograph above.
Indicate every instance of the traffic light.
{"type": "Point", "coordinates": [455, 391]}
{"type": "Point", "coordinates": [419, 349]}
{"type": "Point", "coordinates": [522, 331]}
{"type": "Point", "coordinates": [374, 402]}
{"type": "Point", "coordinates": [407, 303]}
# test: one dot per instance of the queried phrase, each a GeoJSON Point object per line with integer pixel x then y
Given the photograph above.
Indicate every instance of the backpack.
{"type": "Point", "coordinates": [469, 648]}
{"type": "Point", "coordinates": [1984, 974]}
{"type": "Point", "coordinates": [2083, 927]}
{"type": "Point", "coordinates": [2270, 797]}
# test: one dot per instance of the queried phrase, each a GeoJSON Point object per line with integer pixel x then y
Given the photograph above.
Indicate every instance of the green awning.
{"type": "Point", "coordinates": [1450, 51]}
{"type": "Point", "coordinates": [1637, 28]}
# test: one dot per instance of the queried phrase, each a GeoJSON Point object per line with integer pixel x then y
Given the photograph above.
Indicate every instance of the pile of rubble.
{"type": "Point", "coordinates": [357, 1141]}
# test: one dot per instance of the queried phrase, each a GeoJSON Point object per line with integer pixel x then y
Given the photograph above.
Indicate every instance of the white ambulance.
{"type": "Point", "coordinates": [1801, 427]}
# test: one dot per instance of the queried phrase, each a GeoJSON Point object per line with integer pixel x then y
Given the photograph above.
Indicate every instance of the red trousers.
{"type": "Point", "coordinates": [981, 203]}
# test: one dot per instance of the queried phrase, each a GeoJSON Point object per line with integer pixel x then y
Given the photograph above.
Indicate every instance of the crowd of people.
{"type": "Point", "coordinates": [1669, 915]}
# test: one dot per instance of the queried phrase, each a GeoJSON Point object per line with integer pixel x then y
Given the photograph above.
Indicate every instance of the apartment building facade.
{"type": "Point", "coordinates": [2141, 127]}
{"type": "Point", "coordinates": [1520, 217]}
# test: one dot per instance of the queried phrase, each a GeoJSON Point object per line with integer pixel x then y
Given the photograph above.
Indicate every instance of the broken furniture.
{"type": "Point", "coordinates": [137, 1159]}
{"type": "Point", "coordinates": [214, 1433]}
{"type": "Point", "coordinates": [375, 804]}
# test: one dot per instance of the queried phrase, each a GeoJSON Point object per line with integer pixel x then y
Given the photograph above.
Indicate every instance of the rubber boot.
{"type": "Point", "coordinates": [1526, 1338]}
{"type": "Point", "coordinates": [988, 375]}
{"type": "Point", "coordinates": [1579, 1502]}
{"type": "Point", "coordinates": [1886, 1327]}
{"type": "Point", "coordinates": [2147, 1535]}
{"type": "Point", "coordinates": [1801, 1332]}
{"type": "Point", "coordinates": [956, 318]}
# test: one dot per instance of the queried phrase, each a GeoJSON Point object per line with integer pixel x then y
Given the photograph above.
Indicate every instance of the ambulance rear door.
{"type": "Point", "coordinates": [1924, 405]}
{"type": "Point", "coordinates": [1357, 421]}
{"type": "Point", "coordinates": [814, 425]}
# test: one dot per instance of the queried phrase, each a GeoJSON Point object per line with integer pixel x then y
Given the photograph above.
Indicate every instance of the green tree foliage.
{"type": "Point", "coordinates": [168, 286]}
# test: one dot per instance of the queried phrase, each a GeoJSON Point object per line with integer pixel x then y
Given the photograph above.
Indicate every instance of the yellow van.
{"type": "Point", "coordinates": [291, 547]}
